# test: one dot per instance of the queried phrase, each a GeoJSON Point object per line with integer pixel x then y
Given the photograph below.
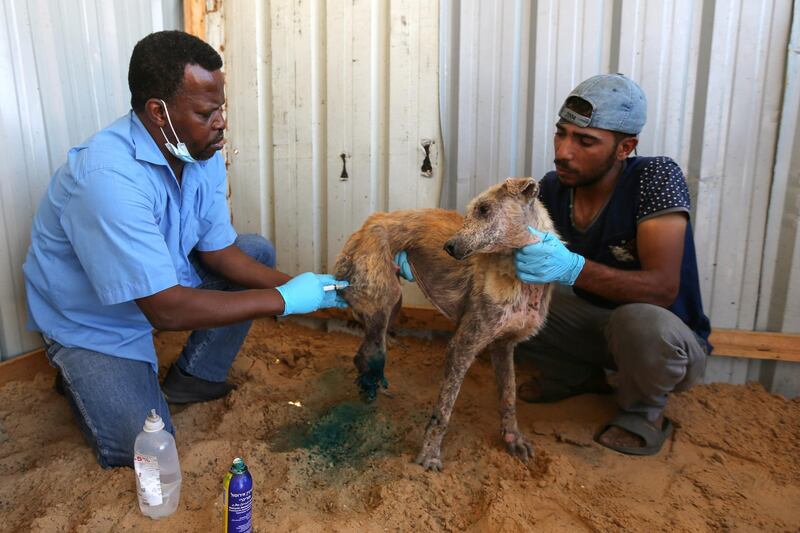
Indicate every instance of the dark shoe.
{"type": "Point", "coordinates": [180, 387]}
{"type": "Point", "coordinates": [540, 390]}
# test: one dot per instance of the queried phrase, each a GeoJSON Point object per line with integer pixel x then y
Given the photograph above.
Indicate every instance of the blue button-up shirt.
{"type": "Point", "coordinates": [114, 226]}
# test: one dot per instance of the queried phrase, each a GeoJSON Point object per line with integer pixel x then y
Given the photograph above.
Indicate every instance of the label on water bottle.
{"type": "Point", "coordinates": [149, 479]}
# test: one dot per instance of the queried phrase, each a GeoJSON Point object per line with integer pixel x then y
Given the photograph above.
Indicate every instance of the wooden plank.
{"type": "Point", "coordinates": [194, 17]}
{"type": "Point", "coordinates": [727, 342]}
{"type": "Point", "coordinates": [756, 344]}
{"type": "Point", "coordinates": [25, 367]}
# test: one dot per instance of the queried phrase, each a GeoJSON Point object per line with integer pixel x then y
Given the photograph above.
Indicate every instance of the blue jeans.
{"type": "Point", "coordinates": [111, 396]}
{"type": "Point", "coordinates": [209, 353]}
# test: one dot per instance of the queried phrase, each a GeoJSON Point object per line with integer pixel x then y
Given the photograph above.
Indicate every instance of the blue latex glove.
{"type": "Point", "coordinates": [304, 293]}
{"type": "Point", "coordinates": [547, 261]}
{"type": "Point", "coordinates": [401, 258]}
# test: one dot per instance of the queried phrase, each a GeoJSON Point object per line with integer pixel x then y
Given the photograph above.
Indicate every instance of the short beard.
{"type": "Point", "coordinates": [600, 174]}
{"type": "Point", "coordinates": [609, 164]}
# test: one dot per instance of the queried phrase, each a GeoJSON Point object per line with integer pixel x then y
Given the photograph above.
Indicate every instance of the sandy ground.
{"type": "Point", "coordinates": [336, 464]}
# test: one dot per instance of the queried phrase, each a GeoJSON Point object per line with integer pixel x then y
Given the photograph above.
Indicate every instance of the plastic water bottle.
{"type": "Point", "coordinates": [158, 472]}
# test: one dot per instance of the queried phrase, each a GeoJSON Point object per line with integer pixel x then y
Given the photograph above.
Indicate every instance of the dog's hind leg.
{"type": "Point", "coordinates": [371, 356]}
{"type": "Point", "coordinates": [468, 340]}
{"type": "Point", "coordinates": [502, 354]}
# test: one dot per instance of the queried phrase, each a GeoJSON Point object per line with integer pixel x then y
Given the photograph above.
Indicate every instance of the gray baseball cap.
{"type": "Point", "coordinates": [616, 103]}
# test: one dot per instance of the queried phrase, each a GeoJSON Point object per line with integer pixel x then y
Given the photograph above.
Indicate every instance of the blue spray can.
{"type": "Point", "coordinates": [237, 499]}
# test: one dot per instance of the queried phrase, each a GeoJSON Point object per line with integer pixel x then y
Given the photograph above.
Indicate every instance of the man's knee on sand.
{"type": "Point", "coordinates": [655, 345]}
{"type": "Point", "coordinates": [113, 439]}
{"type": "Point", "coordinates": [258, 248]}
{"type": "Point", "coordinates": [110, 398]}
{"type": "Point", "coordinates": [119, 451]}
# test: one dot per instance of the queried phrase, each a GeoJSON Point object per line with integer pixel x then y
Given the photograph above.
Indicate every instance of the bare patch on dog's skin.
{"type": "Point", "coordinates": [473, 283]}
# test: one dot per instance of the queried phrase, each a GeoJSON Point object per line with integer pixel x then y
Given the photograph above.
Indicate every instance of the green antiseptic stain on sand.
{"type": "Point", "coordinates": [343, 434]}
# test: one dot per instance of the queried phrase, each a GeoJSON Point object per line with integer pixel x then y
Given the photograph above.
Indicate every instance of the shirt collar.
{"type": "Point", "coordinates": [145, 146]}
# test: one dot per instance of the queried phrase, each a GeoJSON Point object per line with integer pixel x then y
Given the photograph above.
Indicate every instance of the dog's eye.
{"type": "Point", "coordinates": [483, 210]}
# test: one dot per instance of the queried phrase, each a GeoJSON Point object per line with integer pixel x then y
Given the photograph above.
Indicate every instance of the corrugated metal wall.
{"type": "Point", "coordinates": [330, 107]}
{"type": "Point", "coordinates": [63, 75]}
{"type": "Point", "coordinates": [316, 88]}
{"type": "Point", "coordinates": [722, 83]}
{"type": "Point", "coordinates": [779, 291]}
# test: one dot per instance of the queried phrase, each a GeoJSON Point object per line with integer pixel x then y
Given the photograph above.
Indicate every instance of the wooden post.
{"type": "Point", "coordinates": [194, 17]}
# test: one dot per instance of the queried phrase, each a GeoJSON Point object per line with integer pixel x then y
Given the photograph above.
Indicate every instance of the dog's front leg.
{"type": "Point", "coordinates": [461, 352]}
{"type": "Point", "coordinates": [502, 354]}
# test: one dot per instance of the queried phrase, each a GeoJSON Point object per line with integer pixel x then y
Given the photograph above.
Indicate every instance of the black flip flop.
{"type": "Point", "coordinates": [652, 436]}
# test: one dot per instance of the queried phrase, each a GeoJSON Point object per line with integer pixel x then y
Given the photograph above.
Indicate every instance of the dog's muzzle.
{"type": "Point", "coordinates": [455, 251]}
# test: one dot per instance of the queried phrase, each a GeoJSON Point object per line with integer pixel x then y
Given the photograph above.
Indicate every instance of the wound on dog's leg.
{"type": "Point", "coordinates": [371, 357]}
{"type": "Point", "coordinates": [370, 374]}
{"type": "Point", "coordinates": [461, 352]}
{"type": "Point", "coordinates": [370, 362]}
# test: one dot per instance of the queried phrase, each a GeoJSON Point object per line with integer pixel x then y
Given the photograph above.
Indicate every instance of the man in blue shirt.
{"type": "Point", "coordinates": [134, 233]}
{"type": "Point", "coordinates": [634, 307]}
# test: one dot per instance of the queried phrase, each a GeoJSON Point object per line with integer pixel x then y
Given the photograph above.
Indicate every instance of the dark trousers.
{"type": "Point", "coordinates": [648, 351]}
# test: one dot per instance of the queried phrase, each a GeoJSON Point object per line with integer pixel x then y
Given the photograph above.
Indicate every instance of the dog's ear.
{"type": "Point", "coordinates": [526, 187]}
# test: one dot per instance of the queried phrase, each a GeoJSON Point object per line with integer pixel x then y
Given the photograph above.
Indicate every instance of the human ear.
{"type": "Point", "coordinates": [626, 146]}
{"type": "Point", "coordinates": [154, 111]}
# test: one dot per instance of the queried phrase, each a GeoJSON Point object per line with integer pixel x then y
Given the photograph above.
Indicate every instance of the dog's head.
{"type": "Point", "coordinates": [497, 219]}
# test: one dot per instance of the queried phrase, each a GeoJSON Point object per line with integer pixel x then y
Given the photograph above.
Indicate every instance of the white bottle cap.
{"type": "Point", "coordinates": [153, 422]}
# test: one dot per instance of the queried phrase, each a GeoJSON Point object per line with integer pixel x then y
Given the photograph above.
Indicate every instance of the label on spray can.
{"type": "Point", "coordinates": [237, 499]}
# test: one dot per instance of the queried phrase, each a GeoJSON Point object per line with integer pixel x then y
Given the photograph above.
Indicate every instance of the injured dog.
{"type": "Point", "coordinates": [465, 267]}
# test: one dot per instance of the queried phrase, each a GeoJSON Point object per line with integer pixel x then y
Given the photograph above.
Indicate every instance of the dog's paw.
{"type": "Point", "coordinates": [367, 394]}
{"type": "Point", "coordinates": [429, 461]}
{"type": "Point", "coordinates": [518, 446]}
{"type": "Point", "coordinates": [369, 386]}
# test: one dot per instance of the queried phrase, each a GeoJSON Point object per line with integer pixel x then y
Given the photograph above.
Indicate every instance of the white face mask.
{"type": "Point", "coordinates": [180, 151]}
